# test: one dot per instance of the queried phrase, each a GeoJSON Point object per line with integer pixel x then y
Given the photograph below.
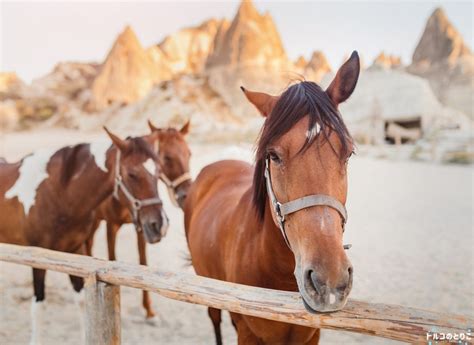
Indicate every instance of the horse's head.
{"type": "Point", "coordinates": [136, 171]}
{"type": "Point", "coordinates": [303, 152]}
{"type": "Point", "coordinates": [174, 154]}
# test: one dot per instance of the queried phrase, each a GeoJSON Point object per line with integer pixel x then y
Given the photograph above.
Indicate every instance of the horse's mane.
{"type": "Point", "coordinates": [299, 100]}
{"type": "Point", "coordinates": [71, 156]}
{"type": "Point", "coordinates": [139, 145]}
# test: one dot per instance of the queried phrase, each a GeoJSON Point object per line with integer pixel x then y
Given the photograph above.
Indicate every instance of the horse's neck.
{"type": "Point", "coordinates": [275, 258]}
{"type": "Point", "coordinates": [92, 183]}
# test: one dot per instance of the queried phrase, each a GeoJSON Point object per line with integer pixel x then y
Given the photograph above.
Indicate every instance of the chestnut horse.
{"type": "Point", "coordinates": [48, 199]}
{"type": "Point", "coordinates": [174, 155]}
{"type": "Point", "coordinates": [280, 225]}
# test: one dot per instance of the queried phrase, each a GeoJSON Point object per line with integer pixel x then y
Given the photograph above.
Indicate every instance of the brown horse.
{"type": "Point", "coordinates": [283, 230]}
{"type": "Point", "coordinates": [174, 155]}
{"type": "Point", "coordinates": [48, 199]}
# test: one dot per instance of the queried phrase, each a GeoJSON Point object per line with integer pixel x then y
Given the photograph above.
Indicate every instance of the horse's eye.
{"type": "Point", "coordinates": [133, 176]}
{"type": "Point", "coordinates": [274, 157]}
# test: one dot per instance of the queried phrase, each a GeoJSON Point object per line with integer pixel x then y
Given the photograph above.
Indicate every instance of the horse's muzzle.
{"type": "Point", "coordinates": [318, 296]}
{"type": "Point", "coordinates": [155, 230]}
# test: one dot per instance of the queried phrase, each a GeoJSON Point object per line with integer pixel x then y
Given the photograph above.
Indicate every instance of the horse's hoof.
{"type": "Point", "coordinates": [152, 320]}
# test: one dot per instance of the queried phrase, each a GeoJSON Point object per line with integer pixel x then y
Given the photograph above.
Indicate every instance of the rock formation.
{"type": "Point", "coordinates": [440, 43]}
{"type": "Point", "coordinates": [187, 50]}
{"type": "Point", "coordinates": [387, 95]}
{"type": "Point", "coordinates": [249, 52]}
{"type": "Point", "coordinates": [300, 63]}
{"type": "Point", "coordinates": [67, 82]}
{"type": "Point", "coordinates": [252, 39]}
{"type": "Point", "coordinates": [317, 67]}
{"type": "Point", "coordinates": [127, 74]}
{"type": "Point", "coordinates": [386, 61]}
{"type": "Point", "coordinates": [443, 57]}
{"type": "Point", "coordinates": [9, 81]}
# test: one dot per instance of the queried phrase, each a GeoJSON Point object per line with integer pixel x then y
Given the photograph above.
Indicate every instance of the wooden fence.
{"type": "Point", "coordinates": [104, 278]}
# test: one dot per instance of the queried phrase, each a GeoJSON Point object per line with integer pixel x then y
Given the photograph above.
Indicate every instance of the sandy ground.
{"type": "Point", "coordinates": [410, 224]}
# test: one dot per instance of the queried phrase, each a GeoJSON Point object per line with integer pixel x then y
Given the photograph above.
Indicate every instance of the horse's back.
{"type": "Point", "coordinates": [209, 211]}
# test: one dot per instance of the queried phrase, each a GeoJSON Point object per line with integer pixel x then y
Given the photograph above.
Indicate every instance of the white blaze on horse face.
{"type": "Point", "coordinates": [98, 150]}
{"type": "Point", "coordinates": [32, 173]}
{"type": "Point", "coordinates": [313, 132]}
{"type": "Point", "coordinates": [150, 166]}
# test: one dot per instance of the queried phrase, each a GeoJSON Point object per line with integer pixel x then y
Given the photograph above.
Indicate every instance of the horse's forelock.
{"type": "Point", "coordinates": [140, 146]}
{"type": "Point", "coordinates": [299, 100]}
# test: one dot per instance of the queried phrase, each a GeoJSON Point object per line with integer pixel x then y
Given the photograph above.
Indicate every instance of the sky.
{"type": "Point", "coordinates": [34, 35]}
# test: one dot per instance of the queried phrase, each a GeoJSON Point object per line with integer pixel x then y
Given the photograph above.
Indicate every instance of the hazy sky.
{"type": "Point", "coordinates": [34, 36]}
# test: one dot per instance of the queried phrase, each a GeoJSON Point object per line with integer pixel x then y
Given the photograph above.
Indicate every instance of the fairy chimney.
{"type": "Point", "coordinates": [252, 39]}
{"type": "Point", "coordinates": [127, 74]}
{"type": "Point", "coordinates": [446, 61]}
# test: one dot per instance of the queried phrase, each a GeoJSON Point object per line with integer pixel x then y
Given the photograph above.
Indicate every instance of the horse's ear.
{"type": "Point", "coordinates": [155, 139]}
{"type": "Point", "coordinates": [262, 101]}
{"type": "Point", "coordinates": [185, 129]}
{"type": "Point", "coordinates": [345, 80]}
{"type": "Point", "coordinates": [121, 144]}
{"type": "Point", "coordinates": [152, 127]}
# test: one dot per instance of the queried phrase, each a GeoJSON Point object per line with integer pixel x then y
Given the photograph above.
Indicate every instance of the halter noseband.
{"type": "Point", "coordinates": [136, 204]}
{"type": "Point", "coordinates": [283, 209]}
{"type": "Point", "coordinates": [173, 185]}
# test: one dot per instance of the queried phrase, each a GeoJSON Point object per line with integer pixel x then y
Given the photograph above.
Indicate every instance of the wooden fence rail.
{"type": "Point", "coordinates": [387, 321]}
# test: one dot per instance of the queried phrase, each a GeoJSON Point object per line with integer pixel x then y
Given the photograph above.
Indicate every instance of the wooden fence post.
{"type": "Point", "coordinates": [102, 322]}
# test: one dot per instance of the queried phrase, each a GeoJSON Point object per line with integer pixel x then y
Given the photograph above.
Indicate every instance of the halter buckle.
{"type": "Point", "coordinates": [137, 204]}
{"type": "Point", "coordinates": [281, 218]}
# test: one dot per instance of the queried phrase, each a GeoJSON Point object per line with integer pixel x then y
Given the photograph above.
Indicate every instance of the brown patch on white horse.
{"type": "Point", "coordinates": [48, 199]}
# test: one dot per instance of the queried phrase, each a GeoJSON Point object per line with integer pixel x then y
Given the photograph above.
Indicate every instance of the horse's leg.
{"type": "Point", "coordinates": [89, 243]}
{"type": "Point", "coordinates": [37, 306]}
{"type": "Point", "coordinates": [244, 334]}
{"type": "Point", "coordinates": [315, 339]}
{"type": "Point", "coordinates": [78, 286]}
{"type": "Point", "coordinates": [142, 257]}
{"type": "Point", "coordinates": [90, 240]}
{"type": "Point", "coordinates": [215, 315]}
{"type": "Point", "coordinates": [112, 229]}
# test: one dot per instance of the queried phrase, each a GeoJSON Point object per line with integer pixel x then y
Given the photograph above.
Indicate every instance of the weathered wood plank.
{"type": "Point", "coordinates": [102, 312]}
{"type": "Point", "coordinates": [388, 321]}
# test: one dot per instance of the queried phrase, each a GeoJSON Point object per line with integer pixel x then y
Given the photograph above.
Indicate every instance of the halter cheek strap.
{"type": "Point", "coordinates": [136, 204]}
{"type": "Point", "coordinates": [283, 209]}
{"type": "Point", "coordinates": [173, 185]}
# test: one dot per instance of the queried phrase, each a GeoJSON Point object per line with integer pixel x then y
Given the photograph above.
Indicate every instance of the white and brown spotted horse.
{"type": "Point", "coordinates": [49, 198]}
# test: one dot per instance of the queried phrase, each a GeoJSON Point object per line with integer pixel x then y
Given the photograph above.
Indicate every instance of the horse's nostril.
{"type": "Point", "coordinates": [316, 283]}
{"type": "Point", "coordinates": [344, 286]}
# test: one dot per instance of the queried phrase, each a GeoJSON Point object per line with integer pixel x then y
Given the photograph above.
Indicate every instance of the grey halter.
{"type": "Point", "coordinates": [136, 204]}
{"type": "Point", "coordinates": [283, 209]}
{"type": "Point", "coordinates": [173, 185]}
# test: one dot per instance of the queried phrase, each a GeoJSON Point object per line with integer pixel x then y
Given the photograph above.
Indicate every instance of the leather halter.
{"type": "Point", "coordinates": [283, 209]}
{"type": "Point", "coordinates": [173, 185]}
{"type": "Point", "coordinates": [137, 204]}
